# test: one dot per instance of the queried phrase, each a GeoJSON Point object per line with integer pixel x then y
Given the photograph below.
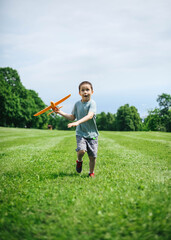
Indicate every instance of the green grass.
{"type": "Point", "coordinates": [42, 197]}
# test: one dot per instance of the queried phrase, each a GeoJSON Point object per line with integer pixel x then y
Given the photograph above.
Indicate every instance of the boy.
{"type": "Point", "coordinates": [86, 130]}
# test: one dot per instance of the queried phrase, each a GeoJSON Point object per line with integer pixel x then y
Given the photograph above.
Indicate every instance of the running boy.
{"type": "Point", "coordinates": [84, 112]}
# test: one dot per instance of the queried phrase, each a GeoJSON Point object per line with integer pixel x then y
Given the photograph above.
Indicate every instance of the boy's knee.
{"type": "Point", "coordinates": [82, 152]}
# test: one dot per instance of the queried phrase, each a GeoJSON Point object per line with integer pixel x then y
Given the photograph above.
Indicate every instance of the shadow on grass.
{"type": "Point", "coordinates": [65, 174]}
{"type": "Point", "coordinates": [62, 174]}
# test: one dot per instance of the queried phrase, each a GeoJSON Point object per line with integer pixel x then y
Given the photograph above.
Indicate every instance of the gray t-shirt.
{"type": "Point", "coordinates": [87, 129]}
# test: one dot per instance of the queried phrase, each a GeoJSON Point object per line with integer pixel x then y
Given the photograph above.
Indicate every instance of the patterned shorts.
{"type": "Point", "coordinates": [88, 145]}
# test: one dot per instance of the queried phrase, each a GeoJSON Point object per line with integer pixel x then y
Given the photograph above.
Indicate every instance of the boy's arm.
{"type": "Point", "coordinates": [65, 115]}
{"type": "Point", "coordinates": [82, 120]}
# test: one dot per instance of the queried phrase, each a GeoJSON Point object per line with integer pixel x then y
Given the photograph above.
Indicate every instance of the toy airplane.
{"type": "Point", "coordinates": [53, 106]}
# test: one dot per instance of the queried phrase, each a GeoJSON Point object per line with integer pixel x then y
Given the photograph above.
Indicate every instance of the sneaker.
{"type": "Point", "coordinates": [91, 175]}
{"type": "Point", "coordinates": [79, 166]}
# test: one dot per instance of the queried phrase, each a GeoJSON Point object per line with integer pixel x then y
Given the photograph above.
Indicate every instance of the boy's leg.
{"type": "Point", "coordinates": [81, 144]}
{"type": "Point", "coordinates": [92, 164]}
{"type": "Point", "coordinates": [92, 146]}
{"type": "Point", "coordinates": [80, 155]}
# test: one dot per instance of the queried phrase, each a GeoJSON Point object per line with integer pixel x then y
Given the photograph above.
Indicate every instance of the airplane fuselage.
{"type": "Point", "coordinates": [52, 105]}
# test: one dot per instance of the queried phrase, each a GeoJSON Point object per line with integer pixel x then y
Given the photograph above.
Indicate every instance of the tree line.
{"type": "Point", "coordinates": [127, 118]}
{"type": "Point", "coordinates": [18, 105]}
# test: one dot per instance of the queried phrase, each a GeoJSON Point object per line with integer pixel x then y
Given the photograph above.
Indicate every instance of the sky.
{"type": "Point", "coordinates": [122, 46]}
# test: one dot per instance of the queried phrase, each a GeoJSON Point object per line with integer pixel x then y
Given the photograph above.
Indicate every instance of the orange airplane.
{"type": "Point", "coordinates": [53, 106]}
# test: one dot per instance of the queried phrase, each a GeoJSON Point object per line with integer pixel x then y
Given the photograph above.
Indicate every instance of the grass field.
{"type": "Point", "coordinates": [42, 196]}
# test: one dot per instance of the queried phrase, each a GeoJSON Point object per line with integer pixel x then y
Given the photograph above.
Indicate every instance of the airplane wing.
{"type": "Point", "coordinates": [42, 111]}
{"type": "Point", "coordinates": [48, 108]}
{"type": "Point", "coordinates": [62, 100]}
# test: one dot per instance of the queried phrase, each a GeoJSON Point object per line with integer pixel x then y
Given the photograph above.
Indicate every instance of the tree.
{"type": "Point", "coordinates": [159, 119]}
{"type": "Point", "coordinates": [164, 101]}
{"type": "Point", "coordinates": [168, 122]}
{"type": "Point", "coordinates": [17, 104]}
{"type": "Point", "coordinates": [153, 121]}
{"type": "Point", "coordinates": [135, 118]}
{"type": "Point", "coordinates": [101, 121]}
{"type": "Point", "coordinates": [5, 93]}
{"type": "Point", "coordinates": [35, 105]}
{"type": "Point", "coordinates": [127, 118]}
{"type": "Point", "coordinates": [110, 122]}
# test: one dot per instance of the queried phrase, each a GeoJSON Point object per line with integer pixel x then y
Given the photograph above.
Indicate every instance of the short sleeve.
{"type": "Point", "coordinates": [92, 107]}
{"type": "Point", "coordinates": [74, 111]}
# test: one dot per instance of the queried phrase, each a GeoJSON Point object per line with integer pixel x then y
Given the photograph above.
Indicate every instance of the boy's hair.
{"type": "Point", "coordinates": [86, 82]}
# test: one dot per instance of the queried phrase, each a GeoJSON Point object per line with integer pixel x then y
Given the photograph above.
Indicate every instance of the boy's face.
{"type": "Point", "coordinates": [85, 92]}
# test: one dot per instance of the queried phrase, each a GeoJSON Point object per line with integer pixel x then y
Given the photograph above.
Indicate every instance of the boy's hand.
{"type": "Point", "coordinates": [74, 124]}
{"type": "Point", "coordinates": [56, 110]}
